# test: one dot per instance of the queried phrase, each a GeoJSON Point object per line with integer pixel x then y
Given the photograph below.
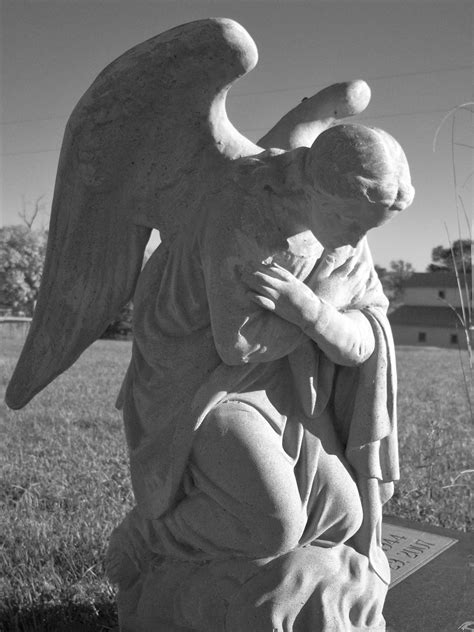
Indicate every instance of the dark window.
{"type": "Point", "coordinates": [454, 339]}
{"type": "Point", "coordinates": [441, 294]}
{"type": "Point", "coordinates": [421, 336]}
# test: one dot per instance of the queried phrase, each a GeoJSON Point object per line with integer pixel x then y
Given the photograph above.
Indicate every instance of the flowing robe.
{"type": "Point", "coordinates": [200, 342]}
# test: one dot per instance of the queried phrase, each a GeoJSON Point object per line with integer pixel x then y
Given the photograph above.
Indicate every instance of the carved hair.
{"type": "Point", "coordinates": [359, 162]}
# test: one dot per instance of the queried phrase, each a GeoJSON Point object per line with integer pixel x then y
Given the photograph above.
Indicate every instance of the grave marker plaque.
{"type": "Point", "coordinates": [409, 549]}
{"type": "Point", "coordinates": [433, 590]}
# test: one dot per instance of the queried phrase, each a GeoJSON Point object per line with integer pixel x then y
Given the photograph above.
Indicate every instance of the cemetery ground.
{"type": "Point", "coordinates": [65, 480]}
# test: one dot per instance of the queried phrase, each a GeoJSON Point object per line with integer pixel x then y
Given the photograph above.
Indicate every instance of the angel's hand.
{"type": "Point", "coordinates": [339, 286]}
{"type": "Point", "coordinates": [277, 290]}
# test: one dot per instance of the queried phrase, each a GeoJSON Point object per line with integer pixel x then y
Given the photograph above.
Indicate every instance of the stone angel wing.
{"type": "Point", "coordinates": [139, 150]}
{"type": "Point", "coordinates": [147, 141]}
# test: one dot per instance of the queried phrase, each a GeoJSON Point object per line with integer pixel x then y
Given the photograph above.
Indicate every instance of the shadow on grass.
{"type": "Point", "coordinates": [96, 617]}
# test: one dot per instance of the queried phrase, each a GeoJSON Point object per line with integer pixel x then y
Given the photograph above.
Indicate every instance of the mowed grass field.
{"type": "Point", "coordinates": [65, 481]}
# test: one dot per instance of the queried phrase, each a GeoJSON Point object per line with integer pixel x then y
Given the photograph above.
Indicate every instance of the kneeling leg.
{"type": "Point", "coordinates": [246, 500]}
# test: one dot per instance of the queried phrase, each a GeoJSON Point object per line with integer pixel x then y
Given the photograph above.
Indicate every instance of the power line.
{"type": "Point", "coordinates": [249, 94]}
{"type": "Point", "coordinates": [39, 151]}
{"type": "Point", "coordinates": [395, 114]}
{"type": "Point", "coordinates": [34, 120]}
{"type": "Point", "coordinates": [260, 129]}
{"type": "Point", "coordinates": [374, 78]}
{"type": "Point", "coordinates": [373, 116]}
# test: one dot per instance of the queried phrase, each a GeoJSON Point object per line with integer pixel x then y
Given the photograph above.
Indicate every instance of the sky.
{"type": "Point", "coordinates": [417, 57]}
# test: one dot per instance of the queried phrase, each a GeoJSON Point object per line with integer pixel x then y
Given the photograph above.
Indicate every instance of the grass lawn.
{"type": "Point", "coordinates": [65, 482]}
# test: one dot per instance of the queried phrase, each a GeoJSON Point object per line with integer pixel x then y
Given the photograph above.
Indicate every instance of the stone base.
{"type": "Point", "coordinates": [437, 596]}
{"type": "Point", "coordinates": [328, 589]}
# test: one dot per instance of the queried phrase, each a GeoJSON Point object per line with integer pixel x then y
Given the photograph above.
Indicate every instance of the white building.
{"type": "Point", "coordinates": [427, 316]}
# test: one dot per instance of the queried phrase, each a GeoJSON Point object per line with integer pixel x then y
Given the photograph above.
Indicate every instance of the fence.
{"type": "Point", "coordinates": [14, 326]}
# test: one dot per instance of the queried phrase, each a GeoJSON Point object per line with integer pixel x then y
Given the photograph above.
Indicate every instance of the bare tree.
{"type": "Point", "coordinates": [29, 215]}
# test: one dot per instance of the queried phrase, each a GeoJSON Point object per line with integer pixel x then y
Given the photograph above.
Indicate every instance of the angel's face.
{"type": "Point", "coordinates": [346, 222]}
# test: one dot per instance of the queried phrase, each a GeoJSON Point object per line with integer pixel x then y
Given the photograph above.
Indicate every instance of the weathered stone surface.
{"type": "Point", "coordinates": [259, 405]}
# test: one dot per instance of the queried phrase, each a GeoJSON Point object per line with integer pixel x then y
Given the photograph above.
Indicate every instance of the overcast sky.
{"type": "Point", "coordinates": [415, 55]}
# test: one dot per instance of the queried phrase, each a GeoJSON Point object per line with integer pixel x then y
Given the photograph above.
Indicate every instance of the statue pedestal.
{"type": "Point", "coordinates": [333, 588]}
{"type": "Point", "coordinates": [432, 590]}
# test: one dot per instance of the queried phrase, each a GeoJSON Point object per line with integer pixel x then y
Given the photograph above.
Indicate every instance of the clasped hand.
{"type": "Point", "coordinates": [276, 289]}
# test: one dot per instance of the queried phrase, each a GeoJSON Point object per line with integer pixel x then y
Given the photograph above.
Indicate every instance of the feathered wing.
{"type": "Point", "coordinates": [303, 124]}
{"type": "Point", "coordinates": [140, 150]}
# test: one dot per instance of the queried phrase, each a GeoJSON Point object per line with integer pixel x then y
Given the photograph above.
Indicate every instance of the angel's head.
{"type": "Point", "coordinates": [361, 178]}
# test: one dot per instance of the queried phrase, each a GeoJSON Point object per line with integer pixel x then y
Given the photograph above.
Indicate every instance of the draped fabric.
{"type": "Point", "coordinates": [188, 299]}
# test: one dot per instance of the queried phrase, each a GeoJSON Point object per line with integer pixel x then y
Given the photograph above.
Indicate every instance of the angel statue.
{"type": "Point", "coordinates": [259, 403]}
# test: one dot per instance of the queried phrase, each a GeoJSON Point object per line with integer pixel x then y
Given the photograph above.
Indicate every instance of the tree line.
{"type": "Point", "coordinates": [456, 257]}
{"type": "Point", "coordinates": [23, 248]}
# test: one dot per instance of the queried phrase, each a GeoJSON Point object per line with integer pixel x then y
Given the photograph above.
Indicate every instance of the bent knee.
{"type": "Point", "coordinates": [344, 515]}
{"type": "Point", "coordinates": [233, 432]}
{"type": "Point", "coordinates": [248, 473]}
{"type": "Point", "coordinates": [352, 514]}
{"type": "Point", "coordinates": [350, 521]}
{"type": "Point", "coordinates": [219, 421]}
{"type": "Point", "coordinates": [282, 533]}
{"type": "Point", "coordinates": [215, 444]}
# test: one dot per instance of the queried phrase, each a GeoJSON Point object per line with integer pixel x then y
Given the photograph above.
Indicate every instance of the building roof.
{"type": "Point", "coordinates": [426, 316]}
{"type": "Point", "coordinates": [434, 279]}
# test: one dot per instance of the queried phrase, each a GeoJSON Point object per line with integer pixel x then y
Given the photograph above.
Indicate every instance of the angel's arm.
{"type": "Point", "coordinates": [243, 332]}
{"type": "Point", "coordinates": [345, 337]}
{"type": "Point", "coordinates": [246, 330]}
